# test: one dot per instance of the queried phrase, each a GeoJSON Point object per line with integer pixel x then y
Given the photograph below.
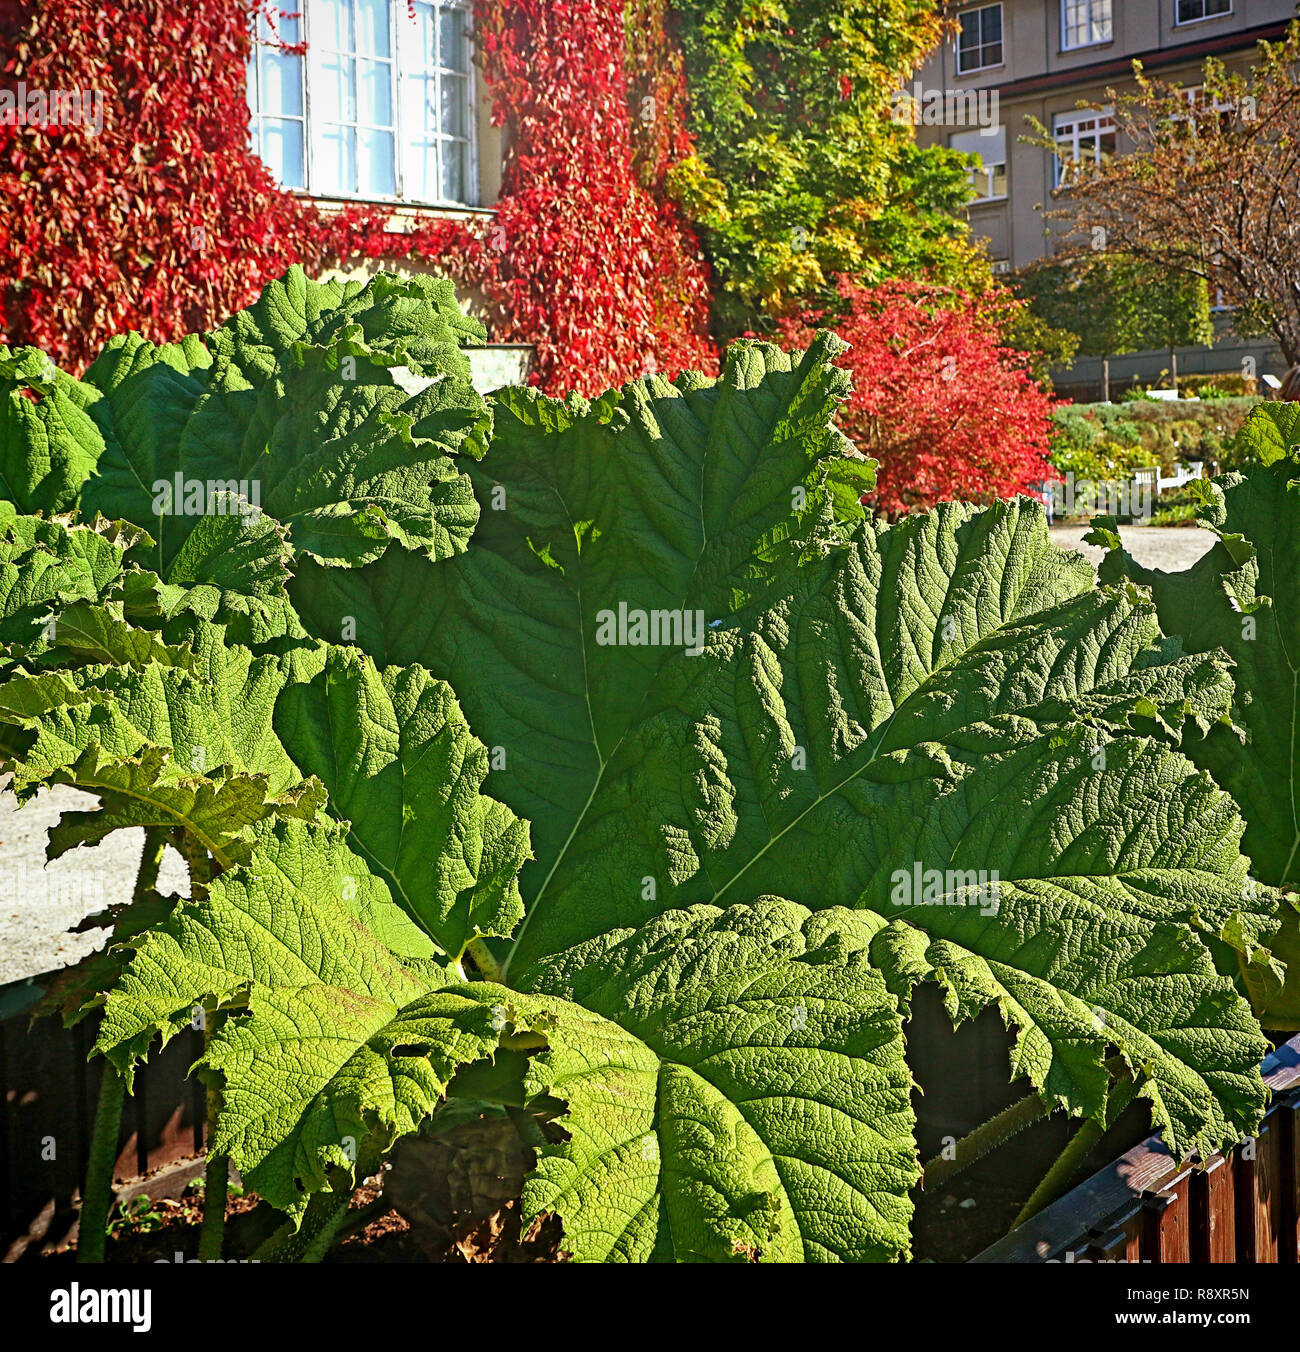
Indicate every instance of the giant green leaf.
{"type": "Point", "coordinates": [669, 497]}
{"type": "Point", "coordinates": [316, 1069]}
{"type": "Point", "coordinates": [1242, 597]}
{"type": "Point", "coordinates": [336, 1027]}
{"type": "Point", "coordinates": [149, 394]}
{"type": "Point", "coordinates": [951, 693]}
{"type": "Point", "coordinates": [49, 442]}
{"type": "Point", "coordinates": [212, 810]}
{"type": "Point", "coordinates": [294, 874]}
{"type": "Point", "coordinates": [736, 1091]}
{"type": "Point", "coordinates": [416, 319]}
{"type": "Point", "coordinates": [339, 411]}
{"type": "Point", "coordinates": [834, 744]}
{"type": "Point", "coordinates": [342, 403]}
{"type": "Point", "coordinates": [218, 711]}
{"type": "Point", "coordinates": [349, 455]}
{"type": "Point", "coordinates": [233, 569]}
{"type": "Point", "coordinates": [101, 633]}
{"type": "Point", "coordinates": [289, 307]}
{"type": "Point", "coordinates": [393, 751]}
{"type": "Point", "coordinates": [48, 565]}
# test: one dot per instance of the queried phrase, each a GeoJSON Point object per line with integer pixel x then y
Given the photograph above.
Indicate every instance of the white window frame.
{"type": "Point", "coordinates": [1066, 126]}
{"type": "Point", "coordinates": [985, 65]}
{"type": "Point", "coordinates": [986, 169]}
{"type": "Point", "coordinates": [1203, 17]}
{"type": "Point", "coordinates": [1067, 45]}
{"type": "Point", "coordinates": [398, 74]}
{"type": "Point", "coordinates": [1195, 96]}
{"type": "Point", "coordinates": [256, 116]}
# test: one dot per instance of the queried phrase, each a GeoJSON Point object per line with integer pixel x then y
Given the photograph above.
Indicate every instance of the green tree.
{"type": "Point", "coordinates": [1113, 304]}
{"type": "Point", "coordinates": [802, 169]}
{"type": "Point", "coordinates": [1047, 347]}
{"type": "Point", "coordinates": [1177, 312]}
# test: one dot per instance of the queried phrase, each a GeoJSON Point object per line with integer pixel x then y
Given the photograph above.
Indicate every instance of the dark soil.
{"type": "Point", "coordinates": [390, 1238]}
{"type": "Point", "coordinates": [450, 1199]}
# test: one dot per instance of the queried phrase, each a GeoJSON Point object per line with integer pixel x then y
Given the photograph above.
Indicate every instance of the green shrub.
{"type": "Point", "coordinates": [1102, 440]}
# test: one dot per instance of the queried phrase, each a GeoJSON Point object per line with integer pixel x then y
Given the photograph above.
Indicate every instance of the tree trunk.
{"type": "Point", "coordinates": [1173, 366]}
{"type": "Point", "coordinates": [1285, 328]}
{"type": "Point", "coordinates": [1105, 380]}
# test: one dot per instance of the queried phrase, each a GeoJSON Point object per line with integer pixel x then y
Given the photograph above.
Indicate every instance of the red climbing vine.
{"type": "Point", "coordinates": [163, 219]}
{"type": "Point", "coordinates": [582, 259]}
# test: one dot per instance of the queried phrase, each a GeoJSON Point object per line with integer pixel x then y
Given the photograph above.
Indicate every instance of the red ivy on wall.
{"type": "Point", "coordinates": [656, 91]}
{"type": "Point", "coordinates": [165, 221]}
{"type": "Point", "coordinates": [597, 270]}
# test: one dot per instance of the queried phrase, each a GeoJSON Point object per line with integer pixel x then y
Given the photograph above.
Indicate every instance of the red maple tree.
{"type": "Point", "coordinates": [939, 397]}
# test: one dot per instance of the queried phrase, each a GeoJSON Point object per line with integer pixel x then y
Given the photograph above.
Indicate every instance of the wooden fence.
{"type": "Point", "coordinates": [48, 1091]}
{"type": "Point", "coordinates": [1147, 1207]}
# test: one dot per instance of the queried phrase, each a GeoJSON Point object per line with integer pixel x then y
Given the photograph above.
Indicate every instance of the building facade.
{"type": "Point", "coordinates": [378, 102]}
{"type": "Point", "coordinates": [375, 101]}
{"type": "Point", "coordinates": [1042, 59]}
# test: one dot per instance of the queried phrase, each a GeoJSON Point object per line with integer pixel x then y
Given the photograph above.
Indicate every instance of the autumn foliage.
{"type": "Point", "coordinates": [938, 396]}
{"type": "Point", "coordinates": [1207, 188]}
{"type": "Point", "coordinates": [583, 258]}
{"type": "Point", "coordinates": [166, 222]}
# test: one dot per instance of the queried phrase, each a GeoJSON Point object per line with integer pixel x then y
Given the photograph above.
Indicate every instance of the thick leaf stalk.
{"type": "Point", "coordinates": [97, 1200]}
{"type": "Point", "coordinates": [985, 1139]}
{"type": "Point", "coordinates": [216, 1174]}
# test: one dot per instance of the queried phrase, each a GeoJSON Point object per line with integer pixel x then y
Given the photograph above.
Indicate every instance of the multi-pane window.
{"type": "Point", "coordinates": [381, 105]}
{"type": "Point", "coordinates": [1080, 138]}
{"type": "Point", "coordinates": [979, 38]}
{"type": "Point", "coordinates": [275, 94]}
{"type": "Point", "coordinates": [436, 105]}
{"type": "Point", "coordinates": [1193, 11]}
{"type": "Point", "coordinates": [988, 179]}
{"type": "Point", "coordinates": [350, 79]}
{"type": "Point", "coordinates": [1084, 22]}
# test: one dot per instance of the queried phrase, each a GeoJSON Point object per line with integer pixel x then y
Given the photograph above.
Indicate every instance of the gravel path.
{"type": "Point", "coordinates": [1169, 548]}
{"type": "Point", "coordinates": [39, 902]}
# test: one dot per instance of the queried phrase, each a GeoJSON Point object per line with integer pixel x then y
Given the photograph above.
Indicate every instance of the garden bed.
{"type": "Point", "coordinates": [1142, 1205]}
{"type": "Point", "coordinates": [559, 903]}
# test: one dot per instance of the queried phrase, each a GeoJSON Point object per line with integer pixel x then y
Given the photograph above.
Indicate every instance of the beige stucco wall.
{"type": "Point", "coordinates": [1015, 228]}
